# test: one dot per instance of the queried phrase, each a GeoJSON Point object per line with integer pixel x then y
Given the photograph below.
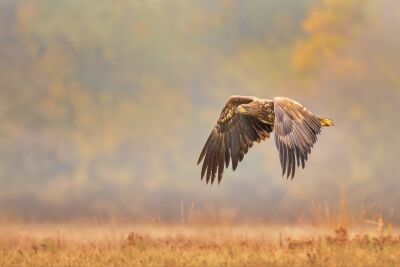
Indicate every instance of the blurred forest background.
{"type": "Point", "coordinates": [106, 105]}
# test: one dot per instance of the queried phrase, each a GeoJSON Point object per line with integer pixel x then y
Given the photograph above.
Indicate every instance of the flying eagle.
{"type": "Point", "coordinates": [247, 119]}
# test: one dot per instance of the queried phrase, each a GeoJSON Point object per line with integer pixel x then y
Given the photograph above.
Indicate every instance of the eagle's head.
{"type": "Point", "coordinates": [247, 109]}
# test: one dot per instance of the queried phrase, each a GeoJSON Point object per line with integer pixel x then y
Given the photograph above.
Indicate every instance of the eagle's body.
{"type": "Point", "coordinates": [246, 119]}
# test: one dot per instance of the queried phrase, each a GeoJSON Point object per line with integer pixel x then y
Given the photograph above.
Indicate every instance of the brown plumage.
{"type": "Point", "coordinates": [246, 119]}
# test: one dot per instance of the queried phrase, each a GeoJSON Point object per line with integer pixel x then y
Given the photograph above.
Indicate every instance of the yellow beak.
{"type": "Point", "coordinates": [241, 110]}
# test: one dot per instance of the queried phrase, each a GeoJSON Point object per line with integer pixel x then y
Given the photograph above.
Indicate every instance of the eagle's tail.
{"type": "Point", "coordinates": [326, 122]}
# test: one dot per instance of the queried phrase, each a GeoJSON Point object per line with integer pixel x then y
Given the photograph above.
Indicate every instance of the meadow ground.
{"type": "Point", "coordinates": [111, 244]}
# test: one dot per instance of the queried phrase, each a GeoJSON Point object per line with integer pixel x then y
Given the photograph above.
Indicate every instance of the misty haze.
{"type": "Point", "coordinates": [106, 105]}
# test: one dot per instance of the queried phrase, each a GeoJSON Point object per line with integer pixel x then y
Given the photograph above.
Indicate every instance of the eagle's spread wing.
{"type": "Point", "coordinates": [296, 131]}
{"type": "Point", "coordinates": [231, 138]}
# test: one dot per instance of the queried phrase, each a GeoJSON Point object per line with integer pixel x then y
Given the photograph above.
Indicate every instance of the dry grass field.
{"type": "Point", "coordinates": [111, 244]}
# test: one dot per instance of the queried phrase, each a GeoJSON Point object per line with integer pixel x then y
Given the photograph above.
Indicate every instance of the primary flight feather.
{"type": "Point", "coordinates": [247, 119]}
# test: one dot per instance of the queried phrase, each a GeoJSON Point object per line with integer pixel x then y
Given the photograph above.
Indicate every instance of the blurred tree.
{"type": "Point", "coordinates": [105, 104]}
{"type": "Point", "coordinates": [328, 29]}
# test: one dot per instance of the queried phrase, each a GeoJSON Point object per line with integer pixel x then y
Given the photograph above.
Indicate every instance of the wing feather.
{"type": "Point", "coordinates": [222, 158]}
{"type": "Point", "coordinates": [208, 153]}
{"type": "Point", "coordinates": [211, 161]}
{"type": "Point", "coordinates": [296, 131]}
{"type": "Point", "coordinates": [227, 153]}
{"type": "Point", "coordinates": [230, 139]}
{"type": "Point", "coordinates": [235, 148]}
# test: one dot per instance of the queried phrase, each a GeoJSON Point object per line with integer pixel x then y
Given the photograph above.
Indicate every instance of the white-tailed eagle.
{"type": "Point", "coordinates": [246, 119]}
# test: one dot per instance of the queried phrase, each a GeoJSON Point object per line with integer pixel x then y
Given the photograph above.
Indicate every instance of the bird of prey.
{"type": "Point", "coordinates": [247, 119]}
